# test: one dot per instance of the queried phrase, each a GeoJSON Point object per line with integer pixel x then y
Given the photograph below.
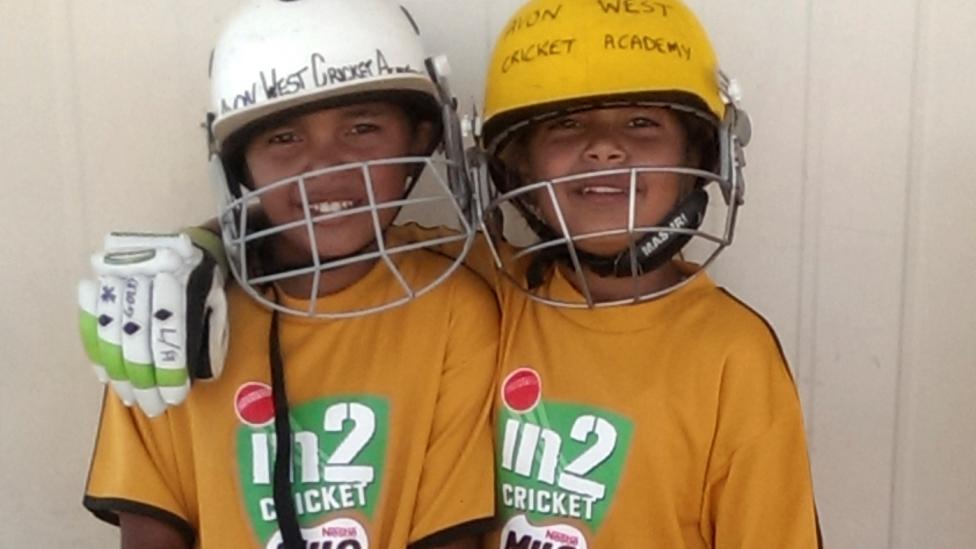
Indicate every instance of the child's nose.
{"type": "Point", "coordinates": [324, 152]}
{"type": "Point", "coordinates": [327, 155]}
{"type": "Point", "coordinates": [602, 148]}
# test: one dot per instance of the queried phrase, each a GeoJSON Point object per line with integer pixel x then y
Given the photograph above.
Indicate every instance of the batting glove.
{"type": "Point", "coordinates": [155, 319]}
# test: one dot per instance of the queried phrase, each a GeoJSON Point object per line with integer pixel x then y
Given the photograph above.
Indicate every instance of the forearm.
{"type": "Point", "coordinates": [465, 543]}
{"type": "Point", "coordinates": [141, 532]}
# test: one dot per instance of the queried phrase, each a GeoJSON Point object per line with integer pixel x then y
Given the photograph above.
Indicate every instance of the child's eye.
{"type": "Point", "coordinates": [564, 124]}
{"type": "Point", "coordinates": [643, 122]}
{"type": "Point", "coordinates": [283, 137]}
{"type": "Point", "coordinates": [364, 128]}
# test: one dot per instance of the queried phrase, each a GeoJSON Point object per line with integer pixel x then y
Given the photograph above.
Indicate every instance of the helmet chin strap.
{"type": "Point", "coordinates": [652, 250]}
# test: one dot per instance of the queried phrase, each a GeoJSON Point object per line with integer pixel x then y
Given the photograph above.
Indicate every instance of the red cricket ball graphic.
{"type": "Point", "coordinates": [254, 405]}
{"type": "Point", "coordinates": [522, 390]}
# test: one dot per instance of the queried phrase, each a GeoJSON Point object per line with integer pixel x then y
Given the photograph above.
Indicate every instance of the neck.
{"type": "Point", "coordinates": [331, 281]}
{"type": "Point", "coordinates": [612, 288]}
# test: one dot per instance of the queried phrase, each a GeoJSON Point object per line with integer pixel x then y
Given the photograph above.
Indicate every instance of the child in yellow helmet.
{"type": "Point", "coordinates": [641, 405]}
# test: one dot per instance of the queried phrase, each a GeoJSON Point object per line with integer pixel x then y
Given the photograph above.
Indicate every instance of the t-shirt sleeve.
{"type": "Point", "coordinates": [134, 469]}
{"type": "Point", "coordinates": [759, 491]}
{"type": "Point", "coordinates": [456, 493]}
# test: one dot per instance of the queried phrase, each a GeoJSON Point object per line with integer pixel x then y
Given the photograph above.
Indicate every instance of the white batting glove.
{"type": "Point", "coordinates": [156, 318]}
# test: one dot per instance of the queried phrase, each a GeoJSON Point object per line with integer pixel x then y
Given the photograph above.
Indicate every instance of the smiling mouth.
{"type": "Point", "coordinates": [601, 190]}
{"type": "Point", "coordinates": [329, 207]}
{"type": "Point", "coordinates": [606, 191]}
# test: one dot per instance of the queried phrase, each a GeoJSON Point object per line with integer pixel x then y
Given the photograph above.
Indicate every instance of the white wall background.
{"type": "Point", "coordinates": [855, 241]}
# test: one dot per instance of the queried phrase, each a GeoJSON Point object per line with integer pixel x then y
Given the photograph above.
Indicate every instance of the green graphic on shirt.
{"type": "Point", "coordinates": [560, 460]}
{"type": "Point", "coordinates": [338, 454]}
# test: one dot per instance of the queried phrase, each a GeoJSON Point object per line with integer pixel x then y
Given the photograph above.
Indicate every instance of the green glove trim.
{"type": "Point", "coordinates": [89, 335]}
{"type": "Point", "coordinates": [111, 358]}
{"type": "Point", "coordinates": [171, 378]}
{"type": "Point", "coordinates": [142, 376]}
{"type": "Point", "coordinates": [211, 244]}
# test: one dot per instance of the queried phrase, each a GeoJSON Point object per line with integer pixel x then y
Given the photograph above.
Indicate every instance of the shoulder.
{"type": "Point", "coordinates": [754, 365]}
{"type": "Point", "coordinates": [729, 321]}
{"type": "Point", "coordinates": [751, 384]}
{"type": "Point", "coordinates": [450, 242]}
{"type": "Point", "coordinates": [464, 289]}
{"type": "Point", "coordinates": [242, 308]}
{"type": "Point", "coordinates": [463, 305]}
{"type": "Point", "coordinates": [456, 275]}
{"type": "Point", "coordinates": [735, 343]}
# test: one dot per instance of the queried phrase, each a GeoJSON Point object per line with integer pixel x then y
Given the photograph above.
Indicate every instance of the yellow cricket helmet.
{"type": "Point", "coordinates": [561, 56]}
{"type": "Point", "coordinates": [558, 53]}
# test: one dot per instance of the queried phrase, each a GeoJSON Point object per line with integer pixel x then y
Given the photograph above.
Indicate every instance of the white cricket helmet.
{"type": "Point", "coordinates": [276, 57]}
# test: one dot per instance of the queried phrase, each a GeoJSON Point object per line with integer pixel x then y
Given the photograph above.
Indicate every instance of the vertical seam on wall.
{"type": "Point", "coordinates": [70, 165]}
{"type": "Point", "coordinates": [75, 105]}
{"type": "Point", "coordinates": [479, 105]}
{"type": "Point", "coordinates": [902, 376]}
{"type": "Point", "coordinates": [488, 34]}
{"type": "Point", "coordinates": [806, 342]}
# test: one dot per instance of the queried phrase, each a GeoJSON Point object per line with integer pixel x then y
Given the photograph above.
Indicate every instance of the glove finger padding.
{"type": "Point", "coordinates": [88, 323]}
{"type": "Point", "coordinates": [109, 315]}
{"type": "Point", "coordinates": [136, 346]}
{"type": "Point", "coordinates": [169, 338]}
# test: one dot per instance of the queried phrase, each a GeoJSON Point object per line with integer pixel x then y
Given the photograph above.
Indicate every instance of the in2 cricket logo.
{"type": "Point", "coordinates": [557, 461]}
{"type": "Point", "coordinates": [338, 461]}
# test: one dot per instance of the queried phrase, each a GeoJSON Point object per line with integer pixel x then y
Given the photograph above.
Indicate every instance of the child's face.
{"type": "Point", "coordinates": [328, 138]}
{"type": "Point", "coordinates": [603, 139]}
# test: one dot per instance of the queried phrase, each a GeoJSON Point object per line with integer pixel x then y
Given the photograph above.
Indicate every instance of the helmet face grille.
{"type": "Point", "coordinates": [551, 249]}
{"type": "Point", "coordinates": [256, 260]}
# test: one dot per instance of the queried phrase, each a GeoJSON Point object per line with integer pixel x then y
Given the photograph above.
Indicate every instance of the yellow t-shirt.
{"type": "Point", "coordinates": [670, 424]}
{"type": "Point", "coordinates": [390, 419]}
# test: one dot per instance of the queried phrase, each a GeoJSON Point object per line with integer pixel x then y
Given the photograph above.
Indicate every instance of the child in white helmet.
{"type": "Point", "coordinates": [331, 427]}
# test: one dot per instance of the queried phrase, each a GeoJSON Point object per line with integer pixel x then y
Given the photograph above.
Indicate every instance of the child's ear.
{"type": "Point", "coordinates": [516, 160]}
{"type": "Point", "coordinates": [693, 156]}
{"type": "Point", "coordinates": [522, 166]}
{"type": "Point", "coordinates": [423, 138]}
{"type": "Point", "coordinates": [244, 172]}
